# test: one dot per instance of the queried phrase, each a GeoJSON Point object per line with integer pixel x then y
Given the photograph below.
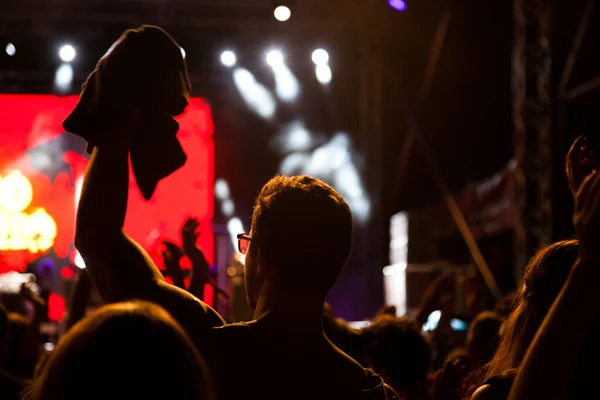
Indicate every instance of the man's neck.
{"type": "Point", "coordinates": [300, 313]}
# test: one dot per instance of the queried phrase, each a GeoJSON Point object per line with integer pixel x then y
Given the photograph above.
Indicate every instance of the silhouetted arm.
{"type": "Point", "coordinates": [557, 347]}
{"type": "Point", "coordinates": [172, 260]}
{"type": "Point", "coordinates": [119, 267]}
{"type": "Point", "coordinates": [200, 267]}
{"type": "Point", "coordinates": [79, 300]}
{"type": "Point", "coordinates": [553, 356]}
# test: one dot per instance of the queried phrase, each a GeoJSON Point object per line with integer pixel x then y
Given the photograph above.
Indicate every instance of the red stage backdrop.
{"type": "Point", "coordinates": [37, 221]}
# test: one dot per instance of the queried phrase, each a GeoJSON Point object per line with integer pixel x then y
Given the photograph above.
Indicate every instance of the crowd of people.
{"type": "Point", "coordinates": [159, 340]}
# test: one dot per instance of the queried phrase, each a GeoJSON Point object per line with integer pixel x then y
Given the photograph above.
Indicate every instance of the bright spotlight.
{"type": "Point", "coordinates": [320, 57]}
{"type": "Point", "coordinates": [10, 49]}
{"type": "Point", "coordinates": [274, 58]}
{"type": "Point", "coordinates": [79, 263]}
{"type": "Point", "coordinates": [64, 76]}
{"type": "Point", "coordinates": [221, 189]}
{"type": "Point", "coordinates": [67, 53]}
{"type": "Point", "coordinates": [256, 96]}
{"type": "Point", "coordinates": [182, 52]}
{"type": "Point", "coordinates": [228, 208]}
{"type": "Point", "coordinates": [399, 5]}
{"type": "Point", "coordinates": [228, 58]}
{"type": "Point", "coordinates": [323, 73]}
{"type": "Point", "coordinates": [282, 13]}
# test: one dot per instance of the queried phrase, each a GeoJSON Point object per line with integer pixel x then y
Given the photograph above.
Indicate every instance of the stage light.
{"type": "Point", "coordinates": [320, 57]}
{"type": "Point", "coordinates": [399, 5]}
{"type": "Point", "coordinates": [16, 193]}
{"type": "Point", "coordinates": [274, 58]}
{"type": "Point", "coordinates": [11, 50]}
{"type": "Point", "coordinates": [235, 227]}
{"type": "Point", "coordinates": [182, 52]}
{"type": "Point", "coordinates": [287, 86]}
{"type": "Point", "coordinates": [256, 96]}
{"type": "Point", "coordinates": [221, 189]}
{"type": "Point", "coordinates": [67, 53]}
{"type": "Point", "coordinates": [228, 58]}
{"type": "Point", "coordinates": [282, 13]}
{"type": "Point", "coordinates": [64, 77]}
{"type": "Point", "coordinates": [323, 74]}
{"type": "Point", "coordinates": [227, 208]}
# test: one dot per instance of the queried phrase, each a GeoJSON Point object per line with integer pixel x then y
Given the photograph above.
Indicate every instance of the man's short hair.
{"type": "Point", "coordinates": [305, 228]}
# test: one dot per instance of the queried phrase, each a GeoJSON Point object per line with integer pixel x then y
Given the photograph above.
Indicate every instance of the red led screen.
{"type": "Point", "coordinates": [54, 162]}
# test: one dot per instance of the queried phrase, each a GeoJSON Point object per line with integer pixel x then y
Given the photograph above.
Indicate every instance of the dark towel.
{"type": "Point", "coordinates": [145, 71]}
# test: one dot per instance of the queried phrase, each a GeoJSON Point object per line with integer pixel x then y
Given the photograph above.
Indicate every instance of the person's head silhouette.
{"type": "Point", "coordinates": [124, 350]}
{"type": "Point", "coordinates": [301, 238]}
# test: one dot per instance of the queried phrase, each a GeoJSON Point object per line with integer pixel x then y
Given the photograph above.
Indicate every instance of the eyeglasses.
{"type": "Point", "coordinates": [244, 240]}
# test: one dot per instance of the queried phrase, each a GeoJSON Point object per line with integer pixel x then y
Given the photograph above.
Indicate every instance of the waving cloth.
{"type": "Point", "coordinates": [144, 71]}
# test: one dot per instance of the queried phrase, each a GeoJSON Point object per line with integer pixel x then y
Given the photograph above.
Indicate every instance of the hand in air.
{"type": "Point", "coordinates": [586, 217]}
{"type": "Point", "coordinates": [189, 238]}
{"type": "Point", "coordinates": [580, 162]}
{"type": "Point", "coordinates": [584, 182]}
{"type": "Point", "coordinates": [172, 257]}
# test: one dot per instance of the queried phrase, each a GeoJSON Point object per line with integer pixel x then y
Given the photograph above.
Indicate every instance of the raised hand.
{"type": "Point", "coordinates": [172, 257]}
{"type": "Point", "coordinates": [200, 267]}
{"type": "Point", "coordinates": [189, 236]}
{"type": "Point", "coordinates": [580, 162]}
{"type": "Point", "coordinates": [440, 289]}
{"type": "Point", "coordinates": [586, 217]}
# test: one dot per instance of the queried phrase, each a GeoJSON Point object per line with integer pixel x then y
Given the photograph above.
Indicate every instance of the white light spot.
{"type": "Point", "coordinates": [320, 57]}
{"type": "Point", "coordinates": [274, 58]}
{"type": "Point", "coordinates": [63, 76]}
{"type": "Point", "coordinates": [286, 84]}
{"type": "Point", "coordinates": [256, 96]}
{"type": "Point", "coordinates": [67, 53]}
{"type": "Point", "coordinates": [182, 52]}
{"type": "Point", "coordinates": [323, 74]}
{"type": "Point", "coordinates": [282, 13]}
{"type": "Point", "coordinates": [11, 50]}
{"type": "Point", "coordinates": [79, 263]}
{"type": "Point", "coordinates": [228, 58]}
{"type": "Point", "coordinates": [235, 227]}
{"type": "Point", "coordinates": [221, 189]}
{"type": "Point", "coordinates": [227, 208]}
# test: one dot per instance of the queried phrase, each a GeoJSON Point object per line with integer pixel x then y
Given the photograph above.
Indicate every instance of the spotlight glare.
{"type": "Point", "coordinates": [282, 13]}
{"type": "Point", "coordinates": [398, 5]}
{"type": "Point", "coordinates": [183, 54]}
{"type": "Point", "coordinates": [64, 76]}
{"type": "Point", "coordinates": [67, 53]}
{"type": "Point", "coordinates": [255, 95]}
{"type": "Point", "coordinates": [228, 58]}
{"type": "Point", "coordinates": [11, 49]}
{"type": "Point", "coordinates": [323, 73]}
{"type": "Point", "coordinates": [320, 57]}
{"type": "Point", "coordinates": [274, 58]}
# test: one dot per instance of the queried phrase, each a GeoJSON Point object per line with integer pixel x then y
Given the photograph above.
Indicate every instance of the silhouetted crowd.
{"type": "Point", "coordinates": [159, 340]}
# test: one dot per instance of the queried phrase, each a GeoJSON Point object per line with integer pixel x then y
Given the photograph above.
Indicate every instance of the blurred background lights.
{"type": "Point", "coordinates": [323, 74]}
{"type": "Point", "coordinates": [282, 13]}
{"type": "Point", "coordinates": [227, 208]}
{"type": "Point", "coordinates": [221, 189]}
{"type": "Point", "coordinates": [67, 53]}
{"type": "Point", "coordinates": [320, 57]}
{"type": "Point", "coordinates": [228, 58]}
{"type": "Point", "coordinates": [274, 58]}
{"type": "Point", "coordinates": [63, 77]}
{"type": "Point", "coordinates": [255, 95]}
{"type": "Point", "coordinates": [399, 5]}
{"type": "Point", "coordinates": [11, 50]}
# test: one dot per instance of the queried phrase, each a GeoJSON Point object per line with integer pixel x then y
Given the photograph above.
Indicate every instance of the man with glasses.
{"type": "Point", "coordinates": [301, 237]}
